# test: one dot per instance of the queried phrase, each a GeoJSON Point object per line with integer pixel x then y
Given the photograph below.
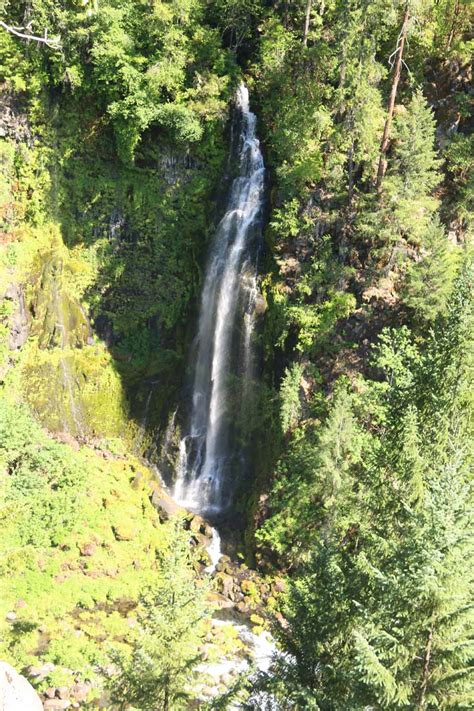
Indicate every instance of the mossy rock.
{"type": "Point", "coordinates": [59, 320]}
{"type": "Point", "coordinates": [75, 391]}
{"type": "Point", "coordinates": [124, 531]}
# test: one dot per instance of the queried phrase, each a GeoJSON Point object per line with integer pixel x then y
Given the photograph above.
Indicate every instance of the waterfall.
{"type": "Point", "coordinates": [211, 452]}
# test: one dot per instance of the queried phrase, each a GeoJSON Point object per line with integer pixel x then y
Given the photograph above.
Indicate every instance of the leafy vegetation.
{"type": "Point", "coordinates": [112, 153]}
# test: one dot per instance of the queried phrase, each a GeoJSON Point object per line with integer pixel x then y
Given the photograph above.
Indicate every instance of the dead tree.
{"type": "Point", "coordinates": [397, 59]}
{"type": "Point", "coordinates": [24, 33]}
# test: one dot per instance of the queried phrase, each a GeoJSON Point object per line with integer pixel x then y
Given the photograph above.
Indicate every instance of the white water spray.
{"type": "Point", "coordinates": [209, 453]}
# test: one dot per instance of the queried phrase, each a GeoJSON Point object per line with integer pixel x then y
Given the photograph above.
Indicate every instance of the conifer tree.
{"type": "Point", "coordinates": [428, 281]}
{"type": "Point", "coordinates": [159, 671]}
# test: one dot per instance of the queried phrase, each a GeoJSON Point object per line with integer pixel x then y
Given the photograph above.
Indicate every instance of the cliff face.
{"type": "Point", "coordinates": [101, 272]}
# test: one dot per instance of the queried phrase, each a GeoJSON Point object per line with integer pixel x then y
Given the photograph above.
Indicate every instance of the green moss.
{"type": "Point", "coordinates": [69, 597]}
{"type": "Point", "coordinates": [77, 391]}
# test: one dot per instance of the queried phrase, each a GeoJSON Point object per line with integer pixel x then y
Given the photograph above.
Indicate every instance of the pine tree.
{"type": "Point", "coordinates": [159, 671]}
{"type": "Point", "coordinates": [428, 281]}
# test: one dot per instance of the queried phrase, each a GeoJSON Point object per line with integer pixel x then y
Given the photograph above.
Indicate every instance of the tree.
{"type": "Point", "coordinates": [428, 281]}
{"type": "Point", "coordinates": [158, 672]}
{"type": "Point", "coordinates": [379, 613]}
{"type": "Point", "coordinates": [393, 95]}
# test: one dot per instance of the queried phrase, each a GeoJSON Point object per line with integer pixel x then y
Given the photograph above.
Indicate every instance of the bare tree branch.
{"type": "Point", "coordinates": [51, 42]}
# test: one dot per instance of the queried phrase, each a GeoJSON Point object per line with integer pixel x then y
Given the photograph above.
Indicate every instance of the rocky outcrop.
{"type": "Point", "coordinates": [16, 693]}
{"type": "Point", "coordinates": [176, 168]}
{"type": "Point", "coordinates": [19, 319]}
{"type": "Point", "coordinates": [13, 120]}
{"type": "Point", "coordinates": [163, 502]}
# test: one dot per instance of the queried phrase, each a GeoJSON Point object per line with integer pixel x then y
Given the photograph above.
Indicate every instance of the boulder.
{"type": "Point", "coordinates": [243, 608]}
{"type": "Point", "coordinates": [87, 549]}
{"type": "Point", "coordinates": [164, 504]}
{"type": "Point", "coordinates": [80, 691]}
{"type": "Point", "coordinates": [224, 565]}
{"type": "Point", "coordinates": [225, 585]}
{"type": "Point", "coordinates": [62, 692]}
{"type": "Point", "coordinates": [56, 704]}
{"type": "Point", "coordinates": [124, 531]}
{"type": "Point", "coordinates": [279, 585]}
{"type": "Point", "coordinates": [16, 693]}
{"type": "Point", "coordinates": [41, 672]}
{"type": "Point", "coordinates": [199, 525]}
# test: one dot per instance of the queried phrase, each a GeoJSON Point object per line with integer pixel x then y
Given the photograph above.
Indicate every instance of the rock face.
{"type": "Point", "coordinates": [16, 693]}
{"type": "Point", "coordinates": [19, 319]}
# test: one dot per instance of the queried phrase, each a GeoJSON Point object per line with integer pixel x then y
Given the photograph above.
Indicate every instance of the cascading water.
{"type": "Point", "coordinates": [211, 453]}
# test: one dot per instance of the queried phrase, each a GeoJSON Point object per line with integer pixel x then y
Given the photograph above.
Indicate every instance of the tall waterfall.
{"type": "Point", "coordinates": [211, 453]}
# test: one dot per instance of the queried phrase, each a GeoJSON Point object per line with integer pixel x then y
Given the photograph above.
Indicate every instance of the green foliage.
{"type": "Point", "coordinates": [41, 487]}
{"type": "Point", "coordinates": [165, 649]}
{"type": "Point", "coordinates": [290, 408]}
{"type": "Point", "coordinates": [114, 148]}
{"type": "Point", "coordinates": [379, 530]}
{"type": "Point", "coordinates": [428, 282]}
{"type": "Point", "coordinates": [460, 163]}
{"type": "Point", "coordinates": [61, 554]}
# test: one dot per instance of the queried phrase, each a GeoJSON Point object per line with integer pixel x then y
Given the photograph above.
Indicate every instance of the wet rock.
{"type": "Point", "coordinates": [19, 319]}
{"type": "Point", "coordinates": [224, 565]}
{"type": "Point", "coordinates": [59, 319]}
{"type": "Point", "coordinates": [176, 168]}
{"type": "Point", "coordinates": [197, 524]}
{"type": "Point", "coordinates": [16, 693]}
{"type": "Point", "coordinates": [260, 305]}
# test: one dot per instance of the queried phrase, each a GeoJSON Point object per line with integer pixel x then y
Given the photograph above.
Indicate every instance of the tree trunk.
{"type": "Point", "coordinates": [350, 172]}
{"type": "Point", "coordinates": [426, 671]}
{"type": "Point", "coordinates": [393, 95]}
{"type": "Point", "coordinates": [309, 4]}
{"type": "Point", "coordinates": [453, 25]}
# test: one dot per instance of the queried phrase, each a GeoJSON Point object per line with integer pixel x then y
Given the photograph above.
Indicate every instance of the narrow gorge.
{"type": "Point", "coordinates": [236, 338]}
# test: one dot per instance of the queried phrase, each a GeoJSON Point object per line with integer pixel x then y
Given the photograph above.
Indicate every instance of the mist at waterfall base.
{"type": "Point", "coordinates": [213, 454]}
